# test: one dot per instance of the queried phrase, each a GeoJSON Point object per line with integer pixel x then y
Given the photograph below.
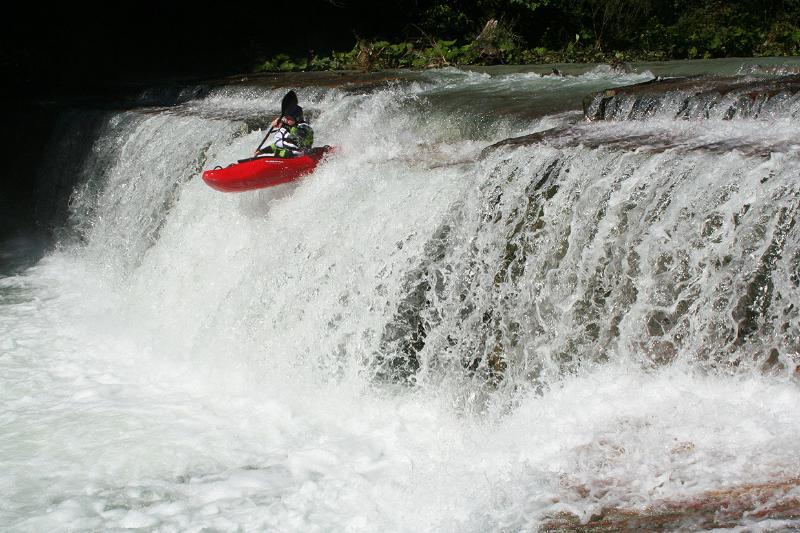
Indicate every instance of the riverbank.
{"type": "Point", "coordinates": [381, 55]}
{"type": "Point", "coordinates": [499, 44]}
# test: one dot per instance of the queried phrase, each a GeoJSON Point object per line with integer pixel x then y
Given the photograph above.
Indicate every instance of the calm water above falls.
{"type": "Point", "coordinates": [424, 334]}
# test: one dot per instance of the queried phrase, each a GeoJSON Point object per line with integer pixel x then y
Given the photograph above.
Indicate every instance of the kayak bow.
{"type": "Point", "coordinates": [260, 172]}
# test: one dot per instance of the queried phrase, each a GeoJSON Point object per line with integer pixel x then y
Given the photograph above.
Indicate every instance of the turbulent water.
{"type": "Point", "coordinates": [431, 332]}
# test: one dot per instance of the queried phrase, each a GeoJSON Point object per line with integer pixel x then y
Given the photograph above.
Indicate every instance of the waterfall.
{"type": "Point", "coordinates": [474, 316]}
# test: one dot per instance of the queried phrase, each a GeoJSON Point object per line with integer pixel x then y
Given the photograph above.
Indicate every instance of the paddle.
{"type": "Point", "coordinates": [288, 102]}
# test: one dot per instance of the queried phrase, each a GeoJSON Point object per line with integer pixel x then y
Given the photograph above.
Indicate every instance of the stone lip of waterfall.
{"type": "Point", "coordinates": [348, 80]}
{"type": "Point", "coordinates": [684, 114]}
{"type": "Point", "coordinates": [698, 98]}
{"type": "Point", "coordinates": [653, 138]}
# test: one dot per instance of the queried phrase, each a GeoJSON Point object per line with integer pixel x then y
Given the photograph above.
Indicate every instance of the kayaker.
{"type": "Point", "coordinates": [293, 135]}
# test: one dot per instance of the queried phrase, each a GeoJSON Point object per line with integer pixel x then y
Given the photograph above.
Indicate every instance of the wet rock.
{"type": "Point", "coordinates": [348, 80]}
{"type": "Point", "coordinates": [698, 98]}
{"type": "Point", "coordinates": [725, 508]}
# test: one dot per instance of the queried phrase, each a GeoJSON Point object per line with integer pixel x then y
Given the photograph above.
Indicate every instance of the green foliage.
{"type": "Point", "coordinates": [280, 62]}
{"type": "Point", "coordinates": [781, 38]}
{"type": "Point", "coordinates": [485, 32]}
{"type": "Point", "coordinates": [529, 5]}
{"type": "Point", "coordinates": [444, 20]}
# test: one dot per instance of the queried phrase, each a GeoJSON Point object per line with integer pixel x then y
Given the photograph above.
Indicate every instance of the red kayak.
{"type": "Point", "coordinates": [260, 172]}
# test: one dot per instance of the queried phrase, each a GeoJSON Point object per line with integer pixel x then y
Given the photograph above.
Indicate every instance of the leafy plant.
{"type": "Point", "coordinates": [485, 32]}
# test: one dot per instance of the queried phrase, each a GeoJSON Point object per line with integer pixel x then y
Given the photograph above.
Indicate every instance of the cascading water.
{"type": "Point", "coordinates": [439, 329]}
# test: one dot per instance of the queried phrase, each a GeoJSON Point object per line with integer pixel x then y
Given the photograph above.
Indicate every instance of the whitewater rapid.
{"type": "Point", "coordinates": [423, 334]}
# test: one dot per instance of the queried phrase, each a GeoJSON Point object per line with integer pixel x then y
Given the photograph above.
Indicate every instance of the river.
{"type": "Point", "coordinates": [437, 330]}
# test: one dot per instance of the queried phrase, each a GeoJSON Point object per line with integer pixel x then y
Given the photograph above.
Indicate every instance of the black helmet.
{"type": "Point", "coordinates": [296, 112]}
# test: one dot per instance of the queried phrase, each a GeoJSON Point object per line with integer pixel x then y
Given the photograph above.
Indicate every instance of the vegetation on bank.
{"type": "Point", "coordinates": [490, 32]}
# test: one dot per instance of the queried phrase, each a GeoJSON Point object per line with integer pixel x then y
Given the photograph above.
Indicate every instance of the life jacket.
{"type": "Point", "coordinates": [293, 140]}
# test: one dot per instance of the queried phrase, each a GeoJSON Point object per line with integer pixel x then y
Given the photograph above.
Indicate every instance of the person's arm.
{"type": "Point", "coordinates": [275, 125]}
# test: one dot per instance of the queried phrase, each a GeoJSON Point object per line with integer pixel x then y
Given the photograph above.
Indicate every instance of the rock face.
{"type": "Point", "coordinates": [698, 98]}
{"type": "Point", "coordinates": [777, 502]}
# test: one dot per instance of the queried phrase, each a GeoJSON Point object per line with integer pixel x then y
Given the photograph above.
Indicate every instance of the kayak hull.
{"type": "Point", "coordinates": [261, 172]}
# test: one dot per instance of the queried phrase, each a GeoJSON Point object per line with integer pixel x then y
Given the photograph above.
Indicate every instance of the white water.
{"type": "Point", "coordinates": [201, 360]}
